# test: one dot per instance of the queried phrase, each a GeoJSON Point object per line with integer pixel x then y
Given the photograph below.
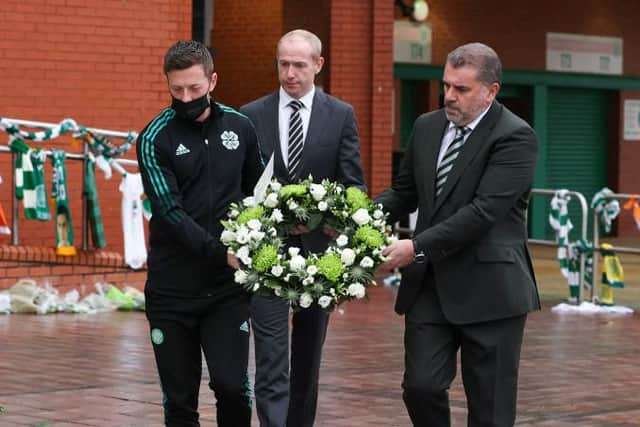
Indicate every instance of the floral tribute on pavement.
{"type": "Point", "coordinates": [257, 234]}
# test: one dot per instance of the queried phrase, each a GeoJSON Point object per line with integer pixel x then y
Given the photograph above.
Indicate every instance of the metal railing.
{"type": "Point", "coordinates": [83, 157]}
{"type": "Point", "coordinates": [584, 227]}
{"type": "Point", "coordinates": [595, 284]}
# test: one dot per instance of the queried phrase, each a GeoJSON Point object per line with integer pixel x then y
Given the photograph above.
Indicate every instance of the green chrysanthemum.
{"type": "Point", "coordinates": [292, 190]}
{"type": "Point", "coordinates": [250, 213]}
{"type": "Point", "coordinates": [266, 258]}
{"type": "Point", "coordinates": [368, 235]}
{"type": "Point", "coordinates": [357, 199]}
{"type": "Point", "coordinates": [330, 266]}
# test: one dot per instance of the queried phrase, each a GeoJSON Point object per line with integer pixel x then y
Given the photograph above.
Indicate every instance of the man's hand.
{"type": "Point", "coordinates": [233, 261]}
{"type": "Point", "coordinates": [299, 229]}
{"type": "Point", "coordinates": [331, 232]}
{"type": "Point", "coordinates": [399, 254]}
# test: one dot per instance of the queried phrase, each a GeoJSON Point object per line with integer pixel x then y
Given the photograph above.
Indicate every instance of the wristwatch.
{"type": "Point", "coordinates": [419, 256]}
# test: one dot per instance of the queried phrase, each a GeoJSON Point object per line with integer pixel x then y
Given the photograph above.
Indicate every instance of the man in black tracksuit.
{"type": "Point", "coordinates": [196, 158]}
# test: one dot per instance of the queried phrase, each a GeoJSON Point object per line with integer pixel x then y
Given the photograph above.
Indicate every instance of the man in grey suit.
{"type": "Point", "coordinates": [468, 282]}
{"type": "Point", "coordinates": [309, 133]}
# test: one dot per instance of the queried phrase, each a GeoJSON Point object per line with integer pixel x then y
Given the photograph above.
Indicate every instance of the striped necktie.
{"type": "Point", "coordinates": [296, 139]}
{"type": "Point", "coordinates": [446, 164]}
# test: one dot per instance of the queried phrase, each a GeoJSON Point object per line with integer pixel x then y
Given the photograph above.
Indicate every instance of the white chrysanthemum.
{"type": "Point", "coordinates": [275, 186]}
{"type": "Point", "coordinates": [277, 270]}
{"type": "Point", "coordinates": [271, 201]}
{"type": "Point", "coordinates": [317, 191]}
{"type": "Point", "coordinates": [276, 216]}
{"type": "Point", "coordinates": [293, 251]}
{"type": "Point", "coordinates": [323, 206]}
{"type": "Point", "coordinates": [348, 256]}
{"type": "Point", "coordinates": [297, 263]}
{"type": "Point", "coordinates": [311, 270]}
{"type": "Point", "coordinates": [305, 300]}
{"type": "Point", "coordinates": [342, 240]}
{"type": "Point", "coordinates": [249, 201]}
{"type": "Point", "coordinates": [254, 224]}
{"type": "Point", "coordinates": [356, 290]}
{"type": "Point", "coordinates": [240, 277]}
{"type": "Point", "coordinates": [324, 301]}
{"type": "Point", "coordinates": [227, 237]}
{"type": "Point", "coordinates": [378, 214]}
{"type": "Point", "coordinates": [361, 216]}
{"type": "Point", "coordinates": [366, 262]}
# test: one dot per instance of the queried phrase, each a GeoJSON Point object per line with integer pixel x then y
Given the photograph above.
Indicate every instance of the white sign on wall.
{"type": "Point", "coordinates": [411, 42]}
{"type": "Point", "coordinates": [632, 119]}
{"type": "Point", "coordinates": [584, 54]}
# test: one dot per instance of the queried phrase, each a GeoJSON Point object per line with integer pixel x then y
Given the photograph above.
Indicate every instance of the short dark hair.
{"type": "Point", "coordinates": [480, 56]}
{"type": "Point", "coordinates": [184, 54]}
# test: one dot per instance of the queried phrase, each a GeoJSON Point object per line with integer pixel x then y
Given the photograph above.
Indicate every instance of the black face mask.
{"type": "Point", "coordinates": [191, 110]}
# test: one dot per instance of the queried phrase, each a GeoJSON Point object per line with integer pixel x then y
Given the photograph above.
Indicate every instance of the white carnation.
{"type": "Point", "coordinates": [249, 201]}
{"type": "Point", "coordinates": [366, 262]}
{"type": "Point", "coordinates": [271, 201]}
{"type": "Point", "coordinates": [227, 237]}
{"type": "Point", "coordinates": [297, 263]}
{"type": "Point", "coordinates": [276, 216]}
{"type": "Point", "coordinates": [293, 251]}
{"type": "Point", "coordinates": [356, 290]}
{"type": "Point", "coordinates": [348, 256]}
{"type": "Point", "coordinates": [277, 270]}
{"type": "Point", "coordinates": [317, 191]}
{"type": "Point", "coordinates": [323, 206]}
{"type": "Point", "coordinates": [254, 224]}
{"type": "Point", "coordinates": [342, 240]}
{"type": "Point", "coordinates": [240, 276]}
{"type": "Point", "coordinates": [305, 300]}
{"type": "Point", "coordinates": [324, 301]}
{"type": "Point", "coordinates": [361, 216]}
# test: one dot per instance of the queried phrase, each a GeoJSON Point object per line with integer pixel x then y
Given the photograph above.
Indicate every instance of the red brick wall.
{"type": "Point", "coordinates": [244, 37]}
{"type": "Point", "coordinates": [96, 61]}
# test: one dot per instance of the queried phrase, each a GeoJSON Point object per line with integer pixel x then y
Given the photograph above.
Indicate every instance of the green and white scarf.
{"type": "Point", "coordinates": [606, 208]}
{"type": "Point", "coordinates": [64, 226]}
{"type": "Point", "coordinates": [29, 180]}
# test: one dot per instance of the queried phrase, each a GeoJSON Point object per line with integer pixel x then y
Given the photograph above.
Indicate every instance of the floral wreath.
{"type": "Point", "coordinates": [256, 233]}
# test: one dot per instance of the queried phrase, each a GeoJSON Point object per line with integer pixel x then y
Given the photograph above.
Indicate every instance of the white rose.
{"type": "Point", "coordinates": [361, 217]}
{"type": "Point", "coordinates": [276, 216]}
{"type": "Point", "coordinates": [317, 191]}
{"type": "Point", "coordinates": [312, 269]}
{"type": "Point", "coordinates": [378, 214]}
{"type": "Point", "coordinates": [275, 186]}
{"type": "Point", "coordinates": [342, 240]}
{"type": "Point", "coordinates": [227, 237]}
{"type": "Point", "coordinates": [256, 235]}
{"type": "Point", "coordinates": [348, 256]}
{"type": "Point", "coordinates": [249, 201]}
{"type": "Point", "coordinates": [297, 263]}
{"type": "Point", "coordinates": [356, 290]}
{"type": "Point", "coordinates": [242, 236]}
{"type": "Point", "coordinates": [243, 255]}
{"type": "Point", "coordinates": [366, 262]}
{"type": "Point", "coordinates": [240, 276]}
{"type": "Point", "coordinates": [254, 224]}
{"type": "Point", "coordinates": [293, 251]}
{"type": "Point", "coordinates": [277, 270]}
{"type": "Point", "coordinates": [324, 301]}
{"type": "Point", "coordinates": [323, 206]}
{"type": "Point", "coordinates": [305, 300]}
{"type": "Point", "coordinates": [271, 201]}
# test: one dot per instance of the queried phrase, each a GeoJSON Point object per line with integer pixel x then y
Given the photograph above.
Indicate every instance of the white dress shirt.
{"type": "Point", "coordinates": [450, 134]}
{"type": "Point", "coordinates": [284, 113]}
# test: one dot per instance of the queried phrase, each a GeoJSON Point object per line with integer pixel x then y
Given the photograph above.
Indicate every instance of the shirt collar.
{"type": "Point", "coordinates": [307, 100]}
{"type": "Point", "coordinates": [472, 125]}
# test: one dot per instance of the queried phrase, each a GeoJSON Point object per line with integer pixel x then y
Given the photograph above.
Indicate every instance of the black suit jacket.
{"type": "Point", "coordinates": [474, 233]}
{"type": "Point", "coordinates": [331, 146]}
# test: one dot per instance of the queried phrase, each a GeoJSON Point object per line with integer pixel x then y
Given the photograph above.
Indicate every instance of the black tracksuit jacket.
{"type": "Point", "coordinates": [191, 172]}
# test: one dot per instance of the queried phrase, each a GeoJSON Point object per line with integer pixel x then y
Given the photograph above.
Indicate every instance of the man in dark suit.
{"type": "Point", "coordinates": [468, 282]}
{"type": "Point", "coordinates": [308, 133]}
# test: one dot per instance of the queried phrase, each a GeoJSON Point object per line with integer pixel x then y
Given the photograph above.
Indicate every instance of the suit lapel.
{"type": "Point", "coordinates": [470, 149]}
{"type": "Point", "coordinates": [272, 133]}
{"type": "Point", "coordinates": [317, 120]}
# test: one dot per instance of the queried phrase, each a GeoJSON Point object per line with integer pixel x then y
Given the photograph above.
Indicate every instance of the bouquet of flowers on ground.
{"type": "Point", "coordinates": [257, 234]}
